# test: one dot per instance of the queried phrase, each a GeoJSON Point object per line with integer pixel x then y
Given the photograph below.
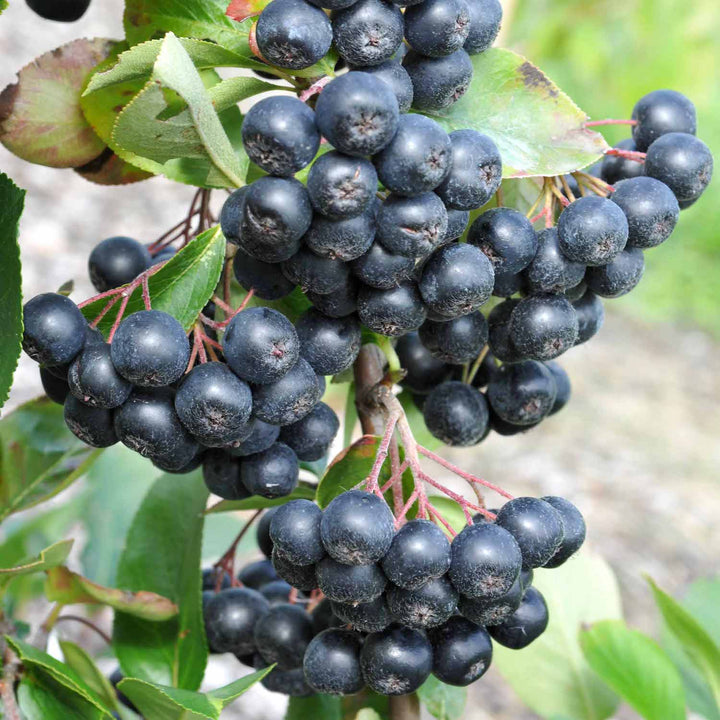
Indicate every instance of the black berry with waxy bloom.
{"type": "Point", "coordinates": [93, 425]}
{"type": "Point", "coordinates": [523, 393]}
{"type": "Point", "coordinates": [295, 531]}
{"type": "Point", "coordinates": [283, 634]}
{"type": "Point", "coordinates": [462, 652]}
{"type": "Point", "coordinates": [350, 583]}
{"type": "Point", "coordinates": [93, 379]}
{"type": "Point", "coordinates": [438, 82]}
{"type": "Point", "coordinates": [302, 577]}
{"type": "Point", "coordinates": [55, 387]}
{"type": "Point", "coordinates": [550, 271]}
{"type": "Point", "coordinates": [574, 530]}
{"type": "Point", "coordinates": [342, 239]}
{"type": "Point", "coordinates": [372, 616]}
{"type": "Point", "coordinates": [391, 312]}
{"type": "Point", "coordinates": [507, 237]}
{"type": "Point", "coordinates": [266, 280]}
{"type": "Point", "coordinates": [590, 314]}
{"type": "Point", "coordinates": [316, 273]}
{"type": "Point", "coordinates": [262, 532]}
{"type": "Point", "coordinates": [492, 611]}
{"type": "Point", "coordinates": [423, 371]}
{"type": "Point", "coordinates": [117, 261]}
{"type": "Point", "coordinates": [288, 399]}
{"type": "Point", "coordinates": [457, 341]}
{"type": "Point", "coordinates": [525, 625]}
{"type": "Point", "coordinates": [395, 76]}
{"type": "Point", "coordinates": [543, 327]}
{"type": "Point", "coordinates": [437, 27]}
{"type": "Point", "coordinates": [499, 339]}
{"type": "Point", "coordinates": [485, 20]}
{"type": "Point", "coordinates": [456, 413]}
{"type": "Point", "coordinates": [661, 112]}
{"type": "Point", "coordinates": [260, 436]}
{"type": "Point", "coordinates": [230, 619]}
{"type": "Point", "coordinates": [330, 345]}
{"type": "Point", "coordinates": [332, 662]}
{"type": "Point", "coordinates": [616, 168]}
{"type": "Point", "coordinates": [271, 473]}
{"type": "Point", "coordinates": [312, 436]}
{"type": "Point", "coordinates": [257, 574]}
{"type": "Point", "coordinates": [221, 473]}
{"type": "Point", "coordinates": [618, 277]}
{"type": "Point", "coordinates": [562, 385]}
{"type": "Point", "coordinates": [428, 606]}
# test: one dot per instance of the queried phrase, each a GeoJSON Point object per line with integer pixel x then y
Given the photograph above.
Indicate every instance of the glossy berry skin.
{"type": "Point", "coordinates": [357, 528]}
{"type": "Point", "coordinates": [230, 619]}
{"type": "Point", "coordinates": [396, 661]}
{"type": "Point", "coordinates": [59, 10]}
{"type": "Point", "coordinates": [341, 186]}
{"type": "Point", "coordinates": [423, 371]}
{"type": "Point", "coordinates": [499, 340]}
{"type": "Point", "coordinates": [573, 527]}
{"type": "Point", "coordinates": [457, 223]}
{"type": "Point", "coordinates": [456, 280]}
{"type": "Point", "coordinates": [302, 577]}
{"type": "Point", "coordinates": [615, 168]}
{"type": "Point", "coordinates": [283, 634]}
{"type": "Point", "coordinates": [395, 76]}
{"type": "Point", "coordinates": [332, 663]}
{"type": "Point", "coordinates": [148, 424]}
{"type": "Point", "coordinates": [492, 611]}
{"type": "Point", "coordinates": [344, 239]}
{"type": "Point", "coordinates": [437, 27]}
{"type": "Point", "coordinates": [550, 271]}
{"type": "Point", "coordinates": [683, 162]}
{"type": "Point", "coordinates": [350, 583]}
{"type": "Point", "coordinates": [288, 399]}
{"type": "Point", "coordinates": [276, 592]}
{"type": "Point", "coordinates": [260, 437]}
{"type": "Point", "coordinates": [418, 158]}
{"type": "Point", "coordinates": [476, 171]}
{"type": "Point", "coordinates": [590, 314]}
{"type": "Point", "coordinates": [438, 82]}
{"type": "Point", "coordinates": [507, 237]}
{"type": "Point", "coordinates": [592, 230]}
{"type": "Point", "coordinates": [661, 112]}
{"type": "Point", "coordinates": [525, 625]}
{"type": "Point", "coordinates": [651, 210]}
{"type": "Point", "coordinates": [266, 279]}
{"type": "Point", "coordinates": [368, 32]}
{"type": "Point", "coordinates": [260, 345]}
{"type": "Point", "coordinates": [257, 574]}
{"type": "Point", "coordinates": [276, 214]}
{"type": "Point", "coordinates": [271, 473]}
{"type": "Point", "coordinates": [262, 532]}
{"type": "Point", "coordinates": [93, 379]}
{"type": "Point", "coordinates": [381, 269]}
{"type": "Point", "coordinates": [231, 215]}
{"type": "Point", "coordinates": [312, 436]}
{"type": "Point", "coordinates": [295, 531]}
{"type": "Point", "coordinates": [457, 414]}
{"type": "Point", "coordinates": [150, 349]}
{"type": "Point", "coordinates": [55, 388]}
{"type": "Point", "coordinates": [116, 261]}
{"type": "Point", "coordinates": [339, 303]}
{"type": "Point", "coordinates": [53, 329]}
{"type": "Point", "coordinates": [221, 473]}
{"type": "Point", "coordinates": [457, 341]}
{"type": "Point", "coordinates": [214, 404]}
{"type": "Point", "coordinates": [314, 273]}
{"type": "Point", "coordinates": [462, 652]}
{"type": "Point", "coordinates": [372, 616]}
{"type": "Point", "coordinates": [536, 526]}
{"type": "Point", "coordinates": [485, 20]}
{"type": "Point", "coordinates": [412, 226]}
{"type": "Point", "coordinates": [392, 312]}
{"type": "Point", "coordinates": [330, 345]}
{"type": "Point", "coordinates": [425, 607]}
{"type": "Point", "coordinates": [522, 393]}
{"type": "Point", "coordinates": [293, 34]}
{"type": "Point", "coordinates": [543, 327]}
{"type": "Point", "coordinates": [357, 113]}
{"type": "Point", "coordinates": [280, 136]}
{"type": "Point", "coordinates": [618, 277]}
{"type": "Point", "coordinates": [562, 385]}
{"type": "Point", "coordinates": [94, 426]}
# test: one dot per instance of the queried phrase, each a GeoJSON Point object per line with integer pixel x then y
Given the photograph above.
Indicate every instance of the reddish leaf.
{"type": "Point", "coordinates": [242, 9]}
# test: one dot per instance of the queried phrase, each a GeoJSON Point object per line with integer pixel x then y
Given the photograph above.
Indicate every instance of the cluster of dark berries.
{"type": "Point", "coordinates": [398, 605]}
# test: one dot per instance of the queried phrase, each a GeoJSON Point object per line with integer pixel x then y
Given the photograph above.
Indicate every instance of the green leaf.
{"type": "Point", "coordinates": [302, 492]}
{"type": "Point", "coordinates": [417, 423]}
{"type": "Point", "coordinates": [322, 707]}
{"type": "Point", "coordinates": [582, 591]}
{"type": "Point", "coordinates": [51, 557]}
{"type": "Point", "coordinates": [225, 695]}
{"type": "Point", "coordinates": [162, 555]}
{"type": "Point", "coordinates": [41, 697]}
{"type": "Point", "coordinates": [349, 468]}
{"type": "Point", "coordinates": [442, 701]}
{"type": "Point", "coordinates": [696, 642]}
{"type": "Point", "coordinates": [636, 668]}
{"type": "Point", "coordinates": [40, 116]}
{"type": "Point", "coordinates": [182, 287]}
{"type": "Point", "coordinates": [84, 666]}
{"type": "Point", "coordinates": [537, 127]}
{"type": "Point", "coordinates": [12, 199]}
{"type": "Point", "coordinates": [3, 5]}
{"type": "Point", "coordinates": [450, 510]}
{"type": "Point", "coordinates": [39, 456]}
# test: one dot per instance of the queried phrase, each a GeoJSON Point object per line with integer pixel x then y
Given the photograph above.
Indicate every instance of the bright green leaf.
{"type": "Point", "coordinates": [84, 666]}
{"type": "Point", "coordinates": [39, 456]}
{"type": "Point", "coordinates": [348, 469]}
{"type": "Point", "coordinates": [226, 694]}
{"type": "Point", "coordinates": [41, 697]}
{"type": "Point", "coordinates": [537, 127]}
{"type": "Point", "coordinates": [444, 702]}
{"type": "Point", "coordinates": [51, 557]}
{"type": "Point", "coordinates": [636, 668]}
{"type": "Point", "coordinates": [325, 707]}
{"type": "Point", "coordinates": [302, 492]}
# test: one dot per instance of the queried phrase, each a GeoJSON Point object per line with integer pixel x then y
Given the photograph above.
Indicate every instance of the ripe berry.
{"type": "Point", "coordinates": [210, 576]}
{"type": "Point", "coordinates": [94, 426]}
{"type": "Point", "coordinates": [293, 34]}
{"type": "Point", "coordinates": [276, 592]}
{"type": "Point", "coordinates": [344, 239]}
{"type": "Point", "coordinates": [350, 583]}
{"type": "Point", "coordinates": [221, 473]}
{"type": "Point", "coordinates": [485, 19]}
{"type": "Point", "coordinates": [271, 473]}
{"type": "Point", "coordinates": [288, 399]}
{"type": "Point", "coordinates": [357, 113]}
{"type": "Point", "coordinates": [543, 327]}
{"type": "Point", "coordinates": [395, 76]}
{"type": "Point", "coordinates": [280, 136]}
{"type": "Point", "coordinates": [339, 303]}
{"type": "Point", "coordinates": [93, 379]}
{"type": "Point", "coordinates": [457, 341]}
{"type": "Point", "coordinates": [59, 10]}
{"type": "Point", "coordinates": [430, 605]}
{"type": "Point", "coordinates": [341, 186]}
{"type": "Point", "coordinates": [260, 345]}
{"type": "Point", "coordinates": [592, 230]}
{"type": "Point", "coordinates": [615, 168]}
{"type": "Point", "coordinates": [381, 269]}
{"type": "Point", "coordinates": [262, 532]}
{"type": "Point", "coordinates": [373, 616]}
{"type": "Point", "coordinates": [457, 414]}
{"type": "Point", "coordinates": [55, 388]}
{"type": "Point", "coordinates": [492, 611]}
{"type": "Point", "coordinates": [456, 280]}
{"type": "Point", "coordinates": [508, 284]}
{"type": "Point", "coordinates": [457, 223]}
{"type": "Point", "coordinates": [257, 574]}
{"type": "Point", "coordinates": [396, 661]}
{"type": "Point", "coordinates": [332, 663]}
{"type": "Point", "coordinates": [437, 27]}
{"type": "Point", "coordinates": [590, 314]}
{"type": "Point", "coordinates": [265, 279]}
{"type": "Point", "coordinates": [423, 371]}
{"type": "Point", "coordinates": [357, 528]}
{"type": "Point", "coordinates": [574, 530]}
{"type": "Point", "coordinates": [314, 273]}
{"type": "Point", "coordinates": [116, 261]}
{"type": "Point", "coordinates": [283, 634]}
{"type": "Point", "coordinates": [618, 277]}
{"type": "Point", "coordinates": [295, 532]}
{"type": "Point", "coordinates": [523, 393]}
{"type": "Point", "coordinates": [312, 436]}
{"type": "Point", "coordinates": [550, 271]}
{"type": "Point", "coordinates": [683, 162]}
{"type": "Point", "coordinates": [230, 619]}
{"type": "Point", "coordinates": [462, 652]}
{"type": "Point", "coordinates": [507, 237]}
{"type": "Point", "coordinates": [525, 625]}
{"type": "Point", "coordinates": [368, 32]}
{"type": "Point", "coordinates": [412, 226]}
{"type": "Point", "coordinates": [661, 112]}
{"type": "Point", "coordinates": [231, 215]}
{"type": "Point", "coordinates": [302, 577]}
{"type": "Point", "coordinates": [391, 312]}
{"type": "Point", "coordinates": [150, 349]}
{"type": "Point", "coordinates": [54, 329]}
{"type": "Point", "coordinates": [286, 682]}
{"type": "Point", "coordinates": [499, 340]}
{"type": "Point", "coordinates": [562, 385]}
{"type": "Point", "coordinates": [330, 345]}
{"type": "Point", "coordinates": [260, 437]}
{"type": "Point", "coordinates": [438, 82]}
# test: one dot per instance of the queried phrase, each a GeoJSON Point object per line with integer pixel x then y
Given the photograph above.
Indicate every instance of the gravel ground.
{"type": "Point", "coordinates": [637, 448]}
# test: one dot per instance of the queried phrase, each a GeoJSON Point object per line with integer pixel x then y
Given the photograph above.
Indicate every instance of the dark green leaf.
{"type": "Point", "coordinates": [162, 555]}
{"type": "Point", "coordinates": [84, 666]}
{"type": "Point", "coordinates": [348, 469]}
{"type": "Point", "coordinates": [40, 697]}
{"type": "Point", "coordinates": [537, 127]}
{"type": "Point", "coordinates": [12, 199]}
{"type": "Point", "coordinates": [302, 492]}
{"type": "Point", "coordinates": [636, 668]}
{"type": "Point", "coordinates": [39, 456]}
{"type": "Point", "coordinates": [51, 557]}
{"type": "Point", "coordinates": [325, 707]}
{"type": "Point", "coordinates": [182, 287]}
{"type": "Point", "coordinates": [442, 701]}
{"type": "Point", "coordinates": [292, 306]}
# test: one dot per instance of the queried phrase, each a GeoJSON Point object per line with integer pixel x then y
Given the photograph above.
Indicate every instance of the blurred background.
{"type": "Point", "coordinates": [638, 448]}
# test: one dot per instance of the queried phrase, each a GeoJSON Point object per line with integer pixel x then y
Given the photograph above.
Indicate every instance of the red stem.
{"type": "Point", "coordinates": [227, 561]}
{"type": "Point", "coordinates": [598, 123]}
{"type": "Point", "coordinates": [627, 154]}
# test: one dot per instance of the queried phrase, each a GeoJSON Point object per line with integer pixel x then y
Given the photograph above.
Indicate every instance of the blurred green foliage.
{"type": "Point", "coordinates": [608, 53]}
